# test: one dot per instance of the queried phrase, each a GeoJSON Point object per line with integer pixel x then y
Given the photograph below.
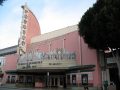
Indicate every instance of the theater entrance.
{"type": "Point", "coordinates": [114, 77]}
{"type": "Point", "coordinates": [56, 81]}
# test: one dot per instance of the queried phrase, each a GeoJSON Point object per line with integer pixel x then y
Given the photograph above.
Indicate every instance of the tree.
{"type": "Point", "coordinates": [100, 27]}
{"type": "Point", "coordinates": [1, 2]}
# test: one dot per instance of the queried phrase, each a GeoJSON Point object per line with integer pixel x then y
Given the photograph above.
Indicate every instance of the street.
{"type": "Point", "coordinates": [13, 87]}
{"type": "Point", "coordinates": [75, 88]}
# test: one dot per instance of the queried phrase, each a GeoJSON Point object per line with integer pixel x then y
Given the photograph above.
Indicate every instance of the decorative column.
{"type": "Point", "coordinates": [80, 49]}
{"type": "Point", "coordinates": [64, 43]}
{"type": "Point", "coordinates": [49, 46]}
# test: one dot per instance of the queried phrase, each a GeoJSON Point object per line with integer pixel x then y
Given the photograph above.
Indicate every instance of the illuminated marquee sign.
{"type": "Point", "coordinates": [58, 54]}
{"type": "Point", "coordinates": [58, 57]}
{"type": "Point", "coordinates": [22, 40]}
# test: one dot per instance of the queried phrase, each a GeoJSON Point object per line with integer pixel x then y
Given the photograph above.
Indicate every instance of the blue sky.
{"type": "Point", "coordinates": [51, 14]}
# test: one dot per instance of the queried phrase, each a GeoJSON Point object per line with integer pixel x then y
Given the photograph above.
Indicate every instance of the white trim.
{"type": "Point", "coordinates": [54, 34]}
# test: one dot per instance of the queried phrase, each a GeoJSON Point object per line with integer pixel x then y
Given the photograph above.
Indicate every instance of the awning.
{"type": "Point", "coordinates": [82, 68]}
{"type": "Point", "coordinates": [53, 69]}
{"type": "Point", "coordinates": [40, 70]}
{"type": "Point", "coordinates": [11, 71]}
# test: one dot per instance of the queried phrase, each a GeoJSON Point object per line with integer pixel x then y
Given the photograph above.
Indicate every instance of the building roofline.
{"type": "Point", "coordinates": [8, 50]}
{"type": "Point", "coordinates": [8, 47]}
{"type": "Point", "coordinates": [54, 34]}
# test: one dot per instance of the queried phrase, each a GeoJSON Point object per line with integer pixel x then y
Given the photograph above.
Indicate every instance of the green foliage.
{"type": "Point", "coordinates": [100, 25]}
{"type": "Point", "coordinates": [1, 2]}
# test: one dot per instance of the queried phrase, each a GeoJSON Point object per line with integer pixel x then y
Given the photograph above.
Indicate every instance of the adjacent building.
{"type": "Point", "coordinates": [8, 62]}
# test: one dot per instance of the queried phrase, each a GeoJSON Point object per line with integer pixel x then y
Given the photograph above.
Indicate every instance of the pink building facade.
{"type": "Point", "coordinates": [56, 59]}
{"type": "Point", "coordinates": [8, 62]}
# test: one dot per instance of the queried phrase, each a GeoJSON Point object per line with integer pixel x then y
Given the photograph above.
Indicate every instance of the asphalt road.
{"type": "Point", "coordinates": [6, 88]}
{"type": "Point", "coordinates": [13, 87]}
{"type": "Point", "coordinates": [10, 88]}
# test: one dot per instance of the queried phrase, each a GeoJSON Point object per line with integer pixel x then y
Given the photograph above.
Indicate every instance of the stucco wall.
{"type": "Point", "coordinates": [10, 64]}
{"type": "Point", "coordinates": [72, 42]}
{"type": "Point", "coordinates": [89, 56]}
{"type": "Point", "coordinates": [33, 28]}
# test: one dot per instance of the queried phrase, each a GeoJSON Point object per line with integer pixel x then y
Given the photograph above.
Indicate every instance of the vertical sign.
{"type": "Point", "coordinates": [22, 39]}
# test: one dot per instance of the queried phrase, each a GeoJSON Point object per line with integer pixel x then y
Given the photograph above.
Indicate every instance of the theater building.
{"type": "Point", "coordinates": [56, 59]}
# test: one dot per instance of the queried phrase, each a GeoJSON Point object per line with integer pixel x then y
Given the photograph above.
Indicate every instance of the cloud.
{"type": "Point", "coordinates": [54, 18]}
{"type": "Point", "coordinates": [10, 27]}
{"type": "Point", "coordinates": [51, 16]}
{"type": "Point", "coordinates": [9, 32]}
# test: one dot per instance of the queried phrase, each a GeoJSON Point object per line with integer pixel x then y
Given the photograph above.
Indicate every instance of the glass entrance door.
{"type": "Point", "coordinates": [54, 81]}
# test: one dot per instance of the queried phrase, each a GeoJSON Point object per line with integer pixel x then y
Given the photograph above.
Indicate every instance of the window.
{"type": "Point", "coordinates": [13, 79]}
{"type": "Point", "coordinates": [74, 79]}
{"type": "Point", "coordinates": [68, 79]}
{"type": "Point", "coordinates": [21, 79]}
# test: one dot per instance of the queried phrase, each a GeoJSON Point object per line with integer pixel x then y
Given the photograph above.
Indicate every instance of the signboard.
{"type": "Point", "coordinates": [58, 54]}
{"type": "Point", "coordinates": [84, 79]}
{"type": "Point", "coordinates": [22, 39]}
{"type": "Point", "coordinates": [56, 58]}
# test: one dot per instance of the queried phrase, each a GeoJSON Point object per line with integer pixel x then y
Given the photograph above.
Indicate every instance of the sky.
{"type": "Point", "coordinates": [51, 14]}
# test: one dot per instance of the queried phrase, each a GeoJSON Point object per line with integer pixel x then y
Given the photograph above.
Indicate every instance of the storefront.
{"type": "Point", "coordinates": [52, 77]}
{"type": "Point", "coordinates": [47, 69]}
{"type": "Point", "coordinates": [36, 78]}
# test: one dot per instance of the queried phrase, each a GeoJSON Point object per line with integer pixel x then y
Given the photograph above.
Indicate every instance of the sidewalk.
{"type": "Point", "coordinates": [82, 88]}
{"type": "Point", "coordinates": [12, 86]}
{"type": "Point", "coordinates": [8, 86]}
